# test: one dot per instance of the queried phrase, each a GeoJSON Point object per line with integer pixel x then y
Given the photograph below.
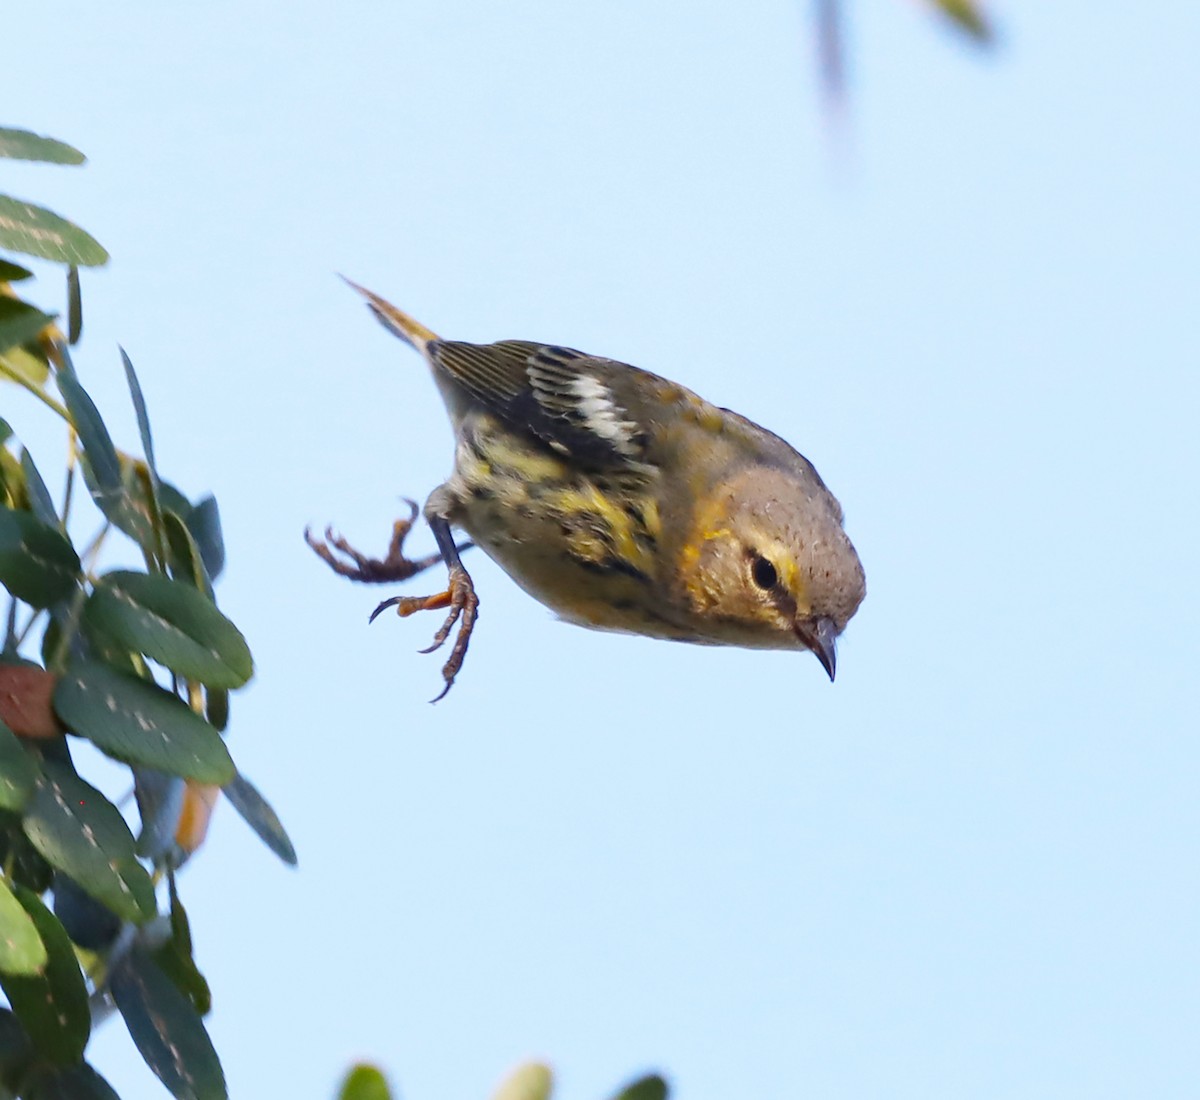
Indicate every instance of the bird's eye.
{"type": "Point", "coordinates": [764, 573]}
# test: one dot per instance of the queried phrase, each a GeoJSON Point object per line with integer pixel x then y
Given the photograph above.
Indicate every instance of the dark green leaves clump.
{"type": "Point", "coordinates": [139, 662]}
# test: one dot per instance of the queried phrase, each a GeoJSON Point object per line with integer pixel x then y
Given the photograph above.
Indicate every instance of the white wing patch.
{"type": "Point", "coordinates": [601, 415]}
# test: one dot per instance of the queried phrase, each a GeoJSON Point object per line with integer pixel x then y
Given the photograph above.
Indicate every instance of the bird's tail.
{"type": "Point", "coordinates": [396, 321]}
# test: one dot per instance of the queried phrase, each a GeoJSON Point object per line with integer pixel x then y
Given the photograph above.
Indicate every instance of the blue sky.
{"type": "Point", "coordinates": [965, 869]}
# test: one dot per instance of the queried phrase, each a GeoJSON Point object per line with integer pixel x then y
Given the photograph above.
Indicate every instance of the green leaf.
{"type": "Point", "coordinates": [172, 623]}
{"type": "Point", "coordinates": [37, 563]}
{"type": "Point", "coordinates": [21, 950]}
{"type": "Point", "coordinates": [166, 1029]}
{"type": "Point", "coordinates": [24, 145]}
{"type": "Point", "coordinates": [138, 722]}
{"type": "Point", "coordinates": [82, 834]}
{"type": "Point", "coordinates": [74, 306]}
{"type": "Point", "coordinates": [650, 1087]}
{"type": "Point", "coordinates": [89, 924]}
{"type": "Point", "coordinates": [16, 1051]}
{"type": "Point", "coordinates": [37, 231]}
{"type": "Point", "coordinates": [967, 16]}
{"type": "Point", "coordinates": [183, 556]}
{"type": "Point", "coordinates": [52, 1006]}
{"type": "Point", "coordinates": [175, 959]}
{"type": "Point", "coordinates": [19, 323]}
{"type": "Point", "coordinates": [204, 522]}
{"type": "Point", "coordinates": [39, 496]}
{"type": "Point", "coordinates": [257, 813]}
{"type": "Point", "coordinates": [532, 1081]}
{"type": "Point", "coordinates": [18, 772]}
{"type": "Point", "coordinates": [102, 467]}
{"type": "Point", "coordinates": [67, 1083]}
{"type": "Point", "coordinates": [365, 1082]}
{"type": "Point", "coordinates": [13, 273]}
{"type": "Point", "coordinates": [216, 707]}
{"type": "Point", "coordinates": [23, 364]}
{"type": "Point", "coordinates": [28, 868]}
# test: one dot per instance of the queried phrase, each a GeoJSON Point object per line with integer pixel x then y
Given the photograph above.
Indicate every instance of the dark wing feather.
{"type": "Point", "coordinates": [559, 395]}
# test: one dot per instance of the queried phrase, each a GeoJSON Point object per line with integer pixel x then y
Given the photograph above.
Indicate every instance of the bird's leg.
{"type": "Point", "coordinates": [359, 567]}
{"type": "Point", "coordinates": [459, 597]}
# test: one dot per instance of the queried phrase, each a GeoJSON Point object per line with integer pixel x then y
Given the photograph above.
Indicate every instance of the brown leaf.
{"type": "Point", "coordinates": [25, 701]}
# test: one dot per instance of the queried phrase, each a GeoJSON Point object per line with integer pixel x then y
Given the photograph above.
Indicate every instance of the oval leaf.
{"type": "Point", "coordinates": [365, 1082]}
{"type": "Point", "coordinates": [102, 466]}
{"type": "Point", "coordinates": [13, 273]}
{"type": "Point", "coordinates": [19, 323]}
{"type": "Point", "coordinates": [52, 1006]}
{"type": "Point", "coordinates": [173, 623]}
{"type": "Point", "coordinates": [532, 1081]}
{"type": "Point", "coordinates": [650, 1087]}
{"type": "Point", "coordinates": [35, 488]}
{"type": "Point", "coordinates": [24, 145]}
{"type": "Point", "coordinates": [37, 231]}
{"type": "Point", "coordinates": [18, 772]}
{"type": "Point", "coordinates": [166, 1029]}
{"type": "Point", "coordinates": [37, 563]}
{"type": "Point", "coordinates": [138, 722]}
{"type": "Point", "coordinates": [21, 949]}
{"type": "Point", "coordinates": [16, 1051]}
{"type": "Point", "coordinates": [257, 813]}
{"type": "Point", "coordinates": [204, 522]}
{"type": "Point", "coordinates": [67, 1083]}
{"type": "Point", "coordinates": [82, 834]}
{"type": "Point", "coordinates": [88, 923]}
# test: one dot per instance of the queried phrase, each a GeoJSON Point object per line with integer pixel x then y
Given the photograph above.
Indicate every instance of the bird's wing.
{"type": "Point", "coordinates": [563, 397]}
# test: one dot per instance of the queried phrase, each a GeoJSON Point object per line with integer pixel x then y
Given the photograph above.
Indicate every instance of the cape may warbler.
{"type": "Point", "coordinates": [621, 501]}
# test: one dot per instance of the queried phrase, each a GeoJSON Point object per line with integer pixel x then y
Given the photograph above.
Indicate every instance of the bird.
{"type": "Point", "coordinates": [620, 500]}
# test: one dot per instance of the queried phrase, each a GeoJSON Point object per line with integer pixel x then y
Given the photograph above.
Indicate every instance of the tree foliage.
{"type": "Point", "coordinates": [138, 662]}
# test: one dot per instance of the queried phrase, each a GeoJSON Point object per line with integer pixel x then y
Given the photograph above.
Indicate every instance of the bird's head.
{"type": "Point", "coordinates": [768, 565]}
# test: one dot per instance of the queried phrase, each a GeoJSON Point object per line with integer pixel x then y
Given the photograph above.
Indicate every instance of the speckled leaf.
{"type": "Point", "coordinates": [138, 722]}
{"type": "Point", "coordinates": [82, 834]}
{"type": "Point", "coordinates": [18, 771]}
{"type": "Point", "coordinates": [37, 563]}
{"type": "Point", "coordinates": [37, 231]}
{"type": "Point", "coordinates": [651, 1087]}
{"type": "Point", "coordinates": [257, 813]}
{"type": "Point", "coordinates": [532, 1081]}
{"type": "Point", "coordinates": [53, 1005]}
{"type": "Point", "coordinates": [166, 1029]}
{"type": "Point", "coordinates": [21, 949]}
{"type": "Point", "coordinates": [40, 501]}
{"type": "Point", "coordinates": [19, 323]}
{"type": "Point", "coordinates": [25, 145]}
{"type": "Point", "coordinates": [67, 1083]}
{"type": "Point", "coordinates": [172, 623]}
{"type": "Point", "coordinates": [365, 1082]}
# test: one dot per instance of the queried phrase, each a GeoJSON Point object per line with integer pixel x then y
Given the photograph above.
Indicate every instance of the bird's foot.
{"type": "Point", "coordinates": [463, 608]}
{"type": "Point", "coordinates": [344, 560]}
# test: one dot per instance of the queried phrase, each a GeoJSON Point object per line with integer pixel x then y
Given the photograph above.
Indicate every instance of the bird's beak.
{"type": "Point", "coordinates": [820, 635]}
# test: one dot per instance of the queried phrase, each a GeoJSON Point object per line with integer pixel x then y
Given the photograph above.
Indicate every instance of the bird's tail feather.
{"type": "Point", "coordinates": [396, 321]}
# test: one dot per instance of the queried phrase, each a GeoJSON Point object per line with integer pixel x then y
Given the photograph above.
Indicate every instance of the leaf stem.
{"type": "Point", "coordinates": [45, 398]}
